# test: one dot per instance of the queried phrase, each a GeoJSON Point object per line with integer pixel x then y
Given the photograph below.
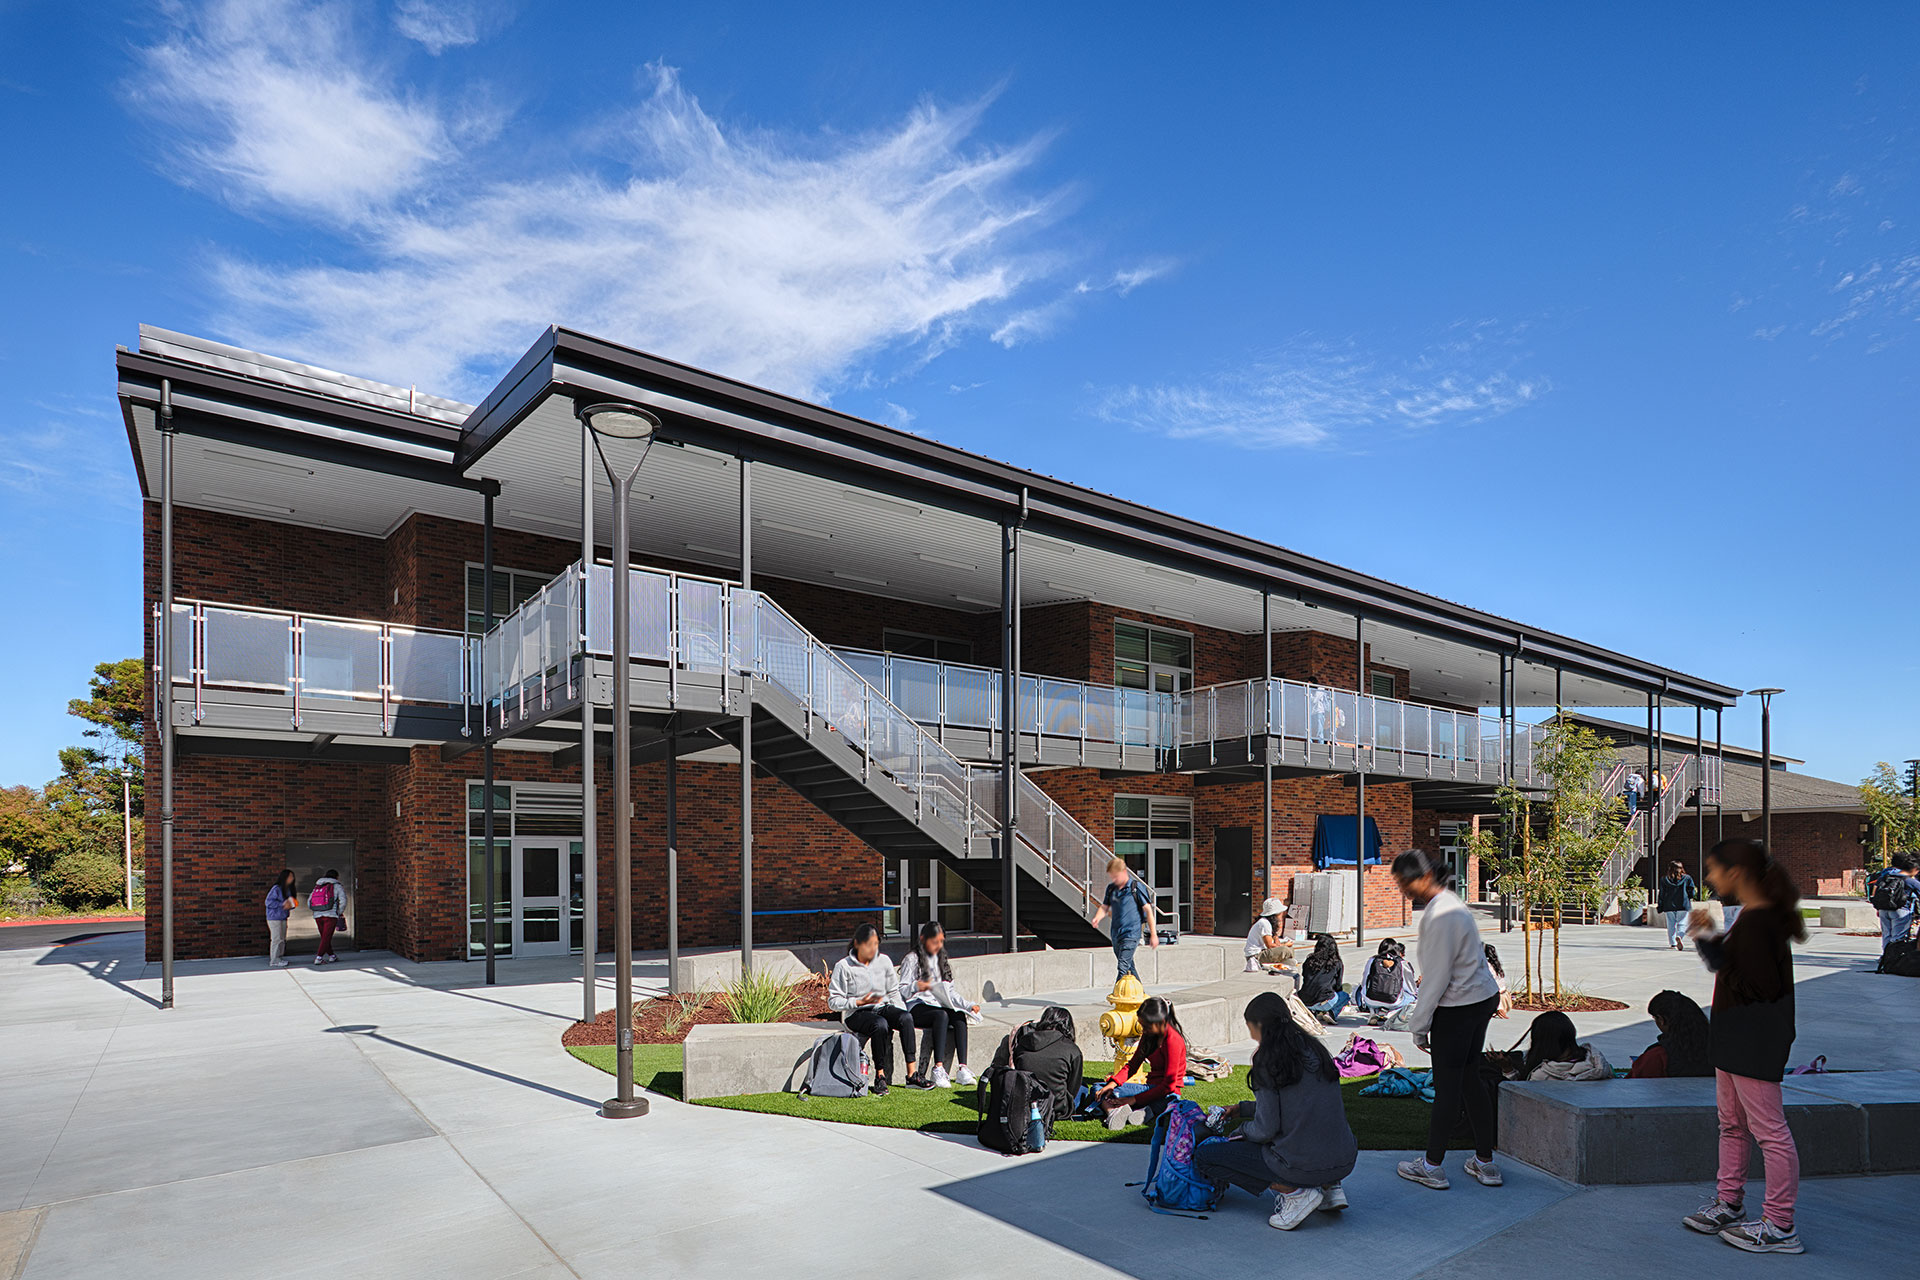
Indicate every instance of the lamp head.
{"type": "Point", "coordinates": [617, 421]}
{"type": "Point", "coordinates": [1763, 693]}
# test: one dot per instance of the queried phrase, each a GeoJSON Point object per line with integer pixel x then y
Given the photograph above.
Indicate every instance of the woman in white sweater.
{"type": "Point", "coordinates": [865, 991]}
{"type": "Point", "coordinates": [1458, 997]}
{"type": "Point", "coordinates": [926, 987]}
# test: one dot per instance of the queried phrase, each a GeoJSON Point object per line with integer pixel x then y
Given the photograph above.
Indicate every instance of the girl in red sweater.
{"type": "Point", "coordinates": [1163, 1051]}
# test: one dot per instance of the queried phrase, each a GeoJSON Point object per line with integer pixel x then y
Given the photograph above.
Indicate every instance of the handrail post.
{"type": "Point", "coordinates": [294, 663]}
{"type": "Point", "coordinates": [386, 679]}
{"type": "Point", "coordinates": [197, 643]}
{"type": "Point", "coordinates": [866, 731]}
{"type": "Point", "coordinates": [809, 697]}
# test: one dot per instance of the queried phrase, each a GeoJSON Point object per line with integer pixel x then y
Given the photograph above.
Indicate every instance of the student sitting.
{"type": "Point", "coordinates": [1046, 1048]}
{"type": "Point", "coordinates": [1681, 1049]}
{"type": "Point", "coordinates": [1500, 978]}
{"type": "Point", "coordinates": [1294, 1139]}
{"type": "Point", "coordinates": [1554, 1053]}
{"type": "Point", "coordinates": [1163, 1051]}
{"type": "Point", "coordinates": [927, 990]}
{"type": "Point", "coordinates": [1387, 985]}
{"type": "Point", "coordinates": [1264, 945]}
{"type": "Point", "coordinates": [1320, 976]}
{"type": "Point", "coordinates": [865, 991]}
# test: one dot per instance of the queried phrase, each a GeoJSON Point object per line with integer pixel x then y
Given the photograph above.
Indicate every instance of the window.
{"type": "Point", "coordinates": [521, 811]}
{"type": "Point", "coordinates": [1149, 657]}
{"type": "Point", "coordinates": [912, 644]}
{"type": "Point", "coordinates": [1381, 684]}
{"type": "Point", "coordinates": [511, 589]}
{"type": "Point", "coordinates": [1155, 836]}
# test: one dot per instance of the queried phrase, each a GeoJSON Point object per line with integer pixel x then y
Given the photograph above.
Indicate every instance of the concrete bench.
{"type": "Point", "coordinates": [1858, 915]}
{"type": "Point", "coordinates": [724, 1059]}
{"type": "Point", "coordinates": [1622, 1132]}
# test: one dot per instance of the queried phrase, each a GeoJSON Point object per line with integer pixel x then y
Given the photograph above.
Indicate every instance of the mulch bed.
{"type": "Point", "coordinates": [1859, 933]}
{"type": "Point", "coordinates": [1566, 1004]}
{"type": "Point", "coordinates": [650, 1017]}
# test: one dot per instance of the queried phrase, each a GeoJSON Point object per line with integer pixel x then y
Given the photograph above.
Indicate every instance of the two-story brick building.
{"type": "Point", "coordinates": [1222, 712]}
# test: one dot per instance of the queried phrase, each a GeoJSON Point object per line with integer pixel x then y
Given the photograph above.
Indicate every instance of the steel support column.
{"type": "Point", "coordinates": [1267, 749]}
{"type": "Point", "coordinates": [486, 722]}
{"type": "Point", "coordinates": [1360, 783]}
{"type": "Point", "coordinates": [589, 816]}
{"type": "Point", "coordinates": [746, 723]}
{"type": "Point", "coordinates": [1720, 752]}
{"type": "Point", "coordinates": [1700, 795]}
{"type": "Point", "coordinates": [1009, 719]}
{"type": "Point", "coordinates": [165, 664]}
{"type": "Point", "coordinates": [673, 860]}
{"type": "Point", "coordinates": [1506, 753]}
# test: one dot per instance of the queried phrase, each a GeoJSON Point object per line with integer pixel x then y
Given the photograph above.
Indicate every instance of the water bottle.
{"type": "Point", "coordinates": [1036, 1130]}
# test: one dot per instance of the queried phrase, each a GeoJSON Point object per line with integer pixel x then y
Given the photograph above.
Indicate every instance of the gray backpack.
{"type": "Point", "coordinates": [836, 1068]}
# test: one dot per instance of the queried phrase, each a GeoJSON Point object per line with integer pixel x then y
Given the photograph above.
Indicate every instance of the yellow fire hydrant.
{"type": "Point", "coordinates": [1121, 1024]}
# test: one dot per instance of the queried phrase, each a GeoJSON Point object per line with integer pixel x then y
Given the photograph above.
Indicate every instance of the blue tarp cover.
{"type": "Point", "coordinates": [1333, 841]}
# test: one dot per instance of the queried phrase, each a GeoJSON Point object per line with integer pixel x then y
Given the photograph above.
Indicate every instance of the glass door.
{"type": "Point", "coordinates": [1162, 877]}
{"type": "Point", "coordinates": [538, 901]}
{"type": "Point", "coordinates": [577, 857]}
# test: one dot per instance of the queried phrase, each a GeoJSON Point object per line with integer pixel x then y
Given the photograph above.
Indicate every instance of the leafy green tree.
{"type": "Point", "coordinates": [83, 878]}
{"type": "Point", "coordinates": [1893, 807]}
{"type": "Point", "coordinates": [109, 774]}
{"type": "Point", "coordinates": [27, 838]}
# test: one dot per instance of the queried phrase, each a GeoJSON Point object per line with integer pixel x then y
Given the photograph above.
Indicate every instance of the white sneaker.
{"type": "Point", "coordinates": [1483, 1172]}
{"type": "Point", "coordinates": [1333, 1199]}
{"type": "Point", "coordinates": [964, 1076]}
{"type": "Point", "coordinates": [278, 964]}
{"type": "Point", "coordinates": [1762, 1237]}
{"type": "Point", "coordinates": [940, 1078]}
{"type": "Point", "coordinates": [1294, 1207]}
{"type": "Point", "coordinates": [1427, 1175]}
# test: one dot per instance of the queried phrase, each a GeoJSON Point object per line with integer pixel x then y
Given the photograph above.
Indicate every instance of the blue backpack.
{"type": "Point", "coordinates": [1172, 1185]}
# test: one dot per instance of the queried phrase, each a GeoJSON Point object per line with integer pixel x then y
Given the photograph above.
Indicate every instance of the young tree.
{"type": "Point", "coordinates": [1893, 807]}
{"type": "Point", "coordinates": [116, 711]}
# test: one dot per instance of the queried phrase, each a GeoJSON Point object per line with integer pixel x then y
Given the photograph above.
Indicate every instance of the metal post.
{"type": "Point", "coordinates": [1652, 770]}
{"type": "Point", "coordinates": [1700, 795]}
{"type": "Point", "coordinates": [589, 800]}
{"type": "Point", "coordinates": [746, 725]}
{"type": "Point", "coordinates": [624, 1103]}
{"type": "Point", "coordinates": [1719, 810]}
{"type": "Point", "coordinates": [1267, 748]}
{"type": "Point", "coordinates": [486, 747]}
{"type": "Point", "coordinates": [166, 693]}
{"type": "Point", "coordinates": [1009, 712]}
{"type": "Point", "coordinates": [673, 863]}
{"type": "Point", "coordinates": [1360, 784]}
{"type": "Point", "coordinates": [1506, 827]}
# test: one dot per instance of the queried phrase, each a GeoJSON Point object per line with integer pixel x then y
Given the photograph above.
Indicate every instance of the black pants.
{"type": "Point", "coordinates": [944, 1026]}
{"type": "Point", "coordinates": [1243, 1164]}
{"type": "Point", "coordinates": [1457, 1039]}
{"type": "Point", "coordinates": [875, 1025]}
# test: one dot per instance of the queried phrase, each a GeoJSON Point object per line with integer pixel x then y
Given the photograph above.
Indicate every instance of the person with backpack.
{"type": "Point", "coordinates": [864, 990]}
{"type": "Point", "coordinates": [1294, 1139]}
{"type": "Point", "coordinates": [936, 1006]}
{"type": "Point", "coordinates": [1387, 984]}
{"type": "Point", "coordinates": [1321, 989]}
{"type": "Point", "coordinates": [1264, 946]}
{"type": "Point", "coordinates": [1681, 1049]}
{"type": "Point", "coordinates": [1162, 1050]}
{"type": "Point", "coordinates": [1046, 1049]}
{"type": "Point", "coordinates": [1449, 1020]}
{"type": "Point", "coordinates": [328, 902]}
{"type": "Point", "coordinates": [1894, 892]}
{"type": "Point", "coordinates": [1749, 1037]}
{"type": "Point", "coordinates": [283, 895]}
{"type": "Point", "coordinates": [1677, 892]}
{"type": "Point", "coordinates": [1635, 785]}
{"type": "Point", "coordinates": [1131, 907]}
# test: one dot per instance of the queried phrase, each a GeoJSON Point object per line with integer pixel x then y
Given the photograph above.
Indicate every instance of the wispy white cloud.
{"type": "Point", "coordinates": [1312, 392]}
{"type": "Point", "coordinates": [440, 25]}
{"type": "Point", "coordinates": [1043, 320]}
{"type": "Point", "coordinates": [62, 459]}
{"type": "Point", "coordinates": [795, 261]}
{"type": "Point", "coordinates": [898, 415]}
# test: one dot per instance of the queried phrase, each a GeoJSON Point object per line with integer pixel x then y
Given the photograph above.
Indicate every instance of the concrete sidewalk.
{"type": "Point", "coordinates": [422, 1124]}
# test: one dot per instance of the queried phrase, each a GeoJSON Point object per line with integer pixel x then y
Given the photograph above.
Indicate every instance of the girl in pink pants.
{"type": "Point", "coordinates": [1751, 1033]}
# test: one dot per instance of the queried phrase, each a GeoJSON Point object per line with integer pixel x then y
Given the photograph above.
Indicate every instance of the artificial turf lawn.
{"type": "Point", "coordinates": [1380, 1124]}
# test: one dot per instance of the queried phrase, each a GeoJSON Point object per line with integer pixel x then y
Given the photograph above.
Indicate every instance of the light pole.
{"type": "Point", "coordinates": [622, 433]}
{"type": "Point", "coordinates": [1766, 763]}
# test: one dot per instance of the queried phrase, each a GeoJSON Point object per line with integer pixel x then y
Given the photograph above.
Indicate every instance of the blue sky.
{"type": "Point", "coordinates": [1604, 320]}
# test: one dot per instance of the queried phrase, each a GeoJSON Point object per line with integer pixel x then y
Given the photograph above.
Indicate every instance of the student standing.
{"type": "Point", "coordinates": [865, 991]}
{"type": "Point", "coordinates": [1749, 1036]}
{"type": "Point", "coordinates": [1635, 785]}
{"type": "Point", "coordinates": [329, 904]}
{"type": "Point", "coordinates": [1894, 892]}
{"type": "Point", "coordinates": [282, 897]}
{"type": "Point", "coordinates": [1677, 892]}
{"type": "Point", "coordinates": [1457, 999]}
{"type": "Point", "coordinates": [1294, 1139]}
{"type": "Point", "coordinates": [1131, 907]}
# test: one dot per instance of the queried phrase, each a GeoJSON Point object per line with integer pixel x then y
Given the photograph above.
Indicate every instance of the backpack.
{"type": "Point", "coordinates": [321, 898]}
{"type": "Point", "coordinates": [837, 1067]}
{"type": "Point", "coordinates": [1006, 1103]}
{"type": "Point", "coordinates": [1172, 1185]}
{"type": "Point", "coordinates": [1901, 958]}
{"type": "Point", "coordinates": [1383, 984]}
{"type": "Point", "coordinates": [1205, 1065]}
{"type": "Point", "coordinates": [1890, 893]}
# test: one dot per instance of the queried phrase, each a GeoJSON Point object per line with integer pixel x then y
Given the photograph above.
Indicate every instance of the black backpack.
{"type": "Point", "coordinates": [1006, 1100]}
{"type": "Point", "coordinates": [1383, 984]}
{"type": "Point", "coordinates": [1890, 893]}
{"type": "Point", "coordinates": [1901, 958]}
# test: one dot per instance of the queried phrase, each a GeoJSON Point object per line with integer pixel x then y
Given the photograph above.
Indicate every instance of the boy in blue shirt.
{"type": "Point", "coordinates": [1131, 907]}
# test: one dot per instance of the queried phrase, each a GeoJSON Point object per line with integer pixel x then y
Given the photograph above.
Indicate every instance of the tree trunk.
{"type": "Point", "coordinates": [126, 831]}
{"type": "Point", "coordinates": [1556, 950]}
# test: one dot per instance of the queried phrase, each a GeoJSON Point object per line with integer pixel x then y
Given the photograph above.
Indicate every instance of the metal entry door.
{"type": "Point", "coordinates": [540, 899]}
{"type": "Point", "coordinates": [309, 860]}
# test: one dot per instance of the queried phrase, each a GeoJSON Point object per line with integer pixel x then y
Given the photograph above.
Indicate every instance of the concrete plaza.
{"type": "Point", "coordinates": [380, 1118]}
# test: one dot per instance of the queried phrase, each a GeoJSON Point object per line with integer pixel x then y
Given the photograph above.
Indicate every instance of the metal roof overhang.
{"type": "Point", "coordinates": [729, 417]}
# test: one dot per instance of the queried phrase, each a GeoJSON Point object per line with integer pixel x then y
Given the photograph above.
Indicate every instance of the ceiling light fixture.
{"type": "Point", "coordinates": [857, 577]}
{"type": "Point", "coordinates": [729, 552]}
{"type": "Point", "coordinates": [968, 565]}
{"type": "Point", "coordinates": [254, 464]}
{"type": "Point", "coordinates": [884, 503]}
{"type": "Point", "coordinates": [797, 530]}
{"type": "Point", "coordinates": [534, 517]}
{"type": "Point", "coordinates": [984, 604]}
{"type": "Point", "coordinates": [1175, 574]}
{"type": "Point", "coordinates": [1051, 544]}
{"type": "Point", "coordinates": [234, 500]}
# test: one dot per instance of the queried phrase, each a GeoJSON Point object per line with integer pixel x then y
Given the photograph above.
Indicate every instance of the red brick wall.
{"type": "Point", "coordinates": [1817, 849]}
{"type": "Point", "coordinates": [1317, 658]}
{"type": "Point", "coordinates": [237, 560]}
